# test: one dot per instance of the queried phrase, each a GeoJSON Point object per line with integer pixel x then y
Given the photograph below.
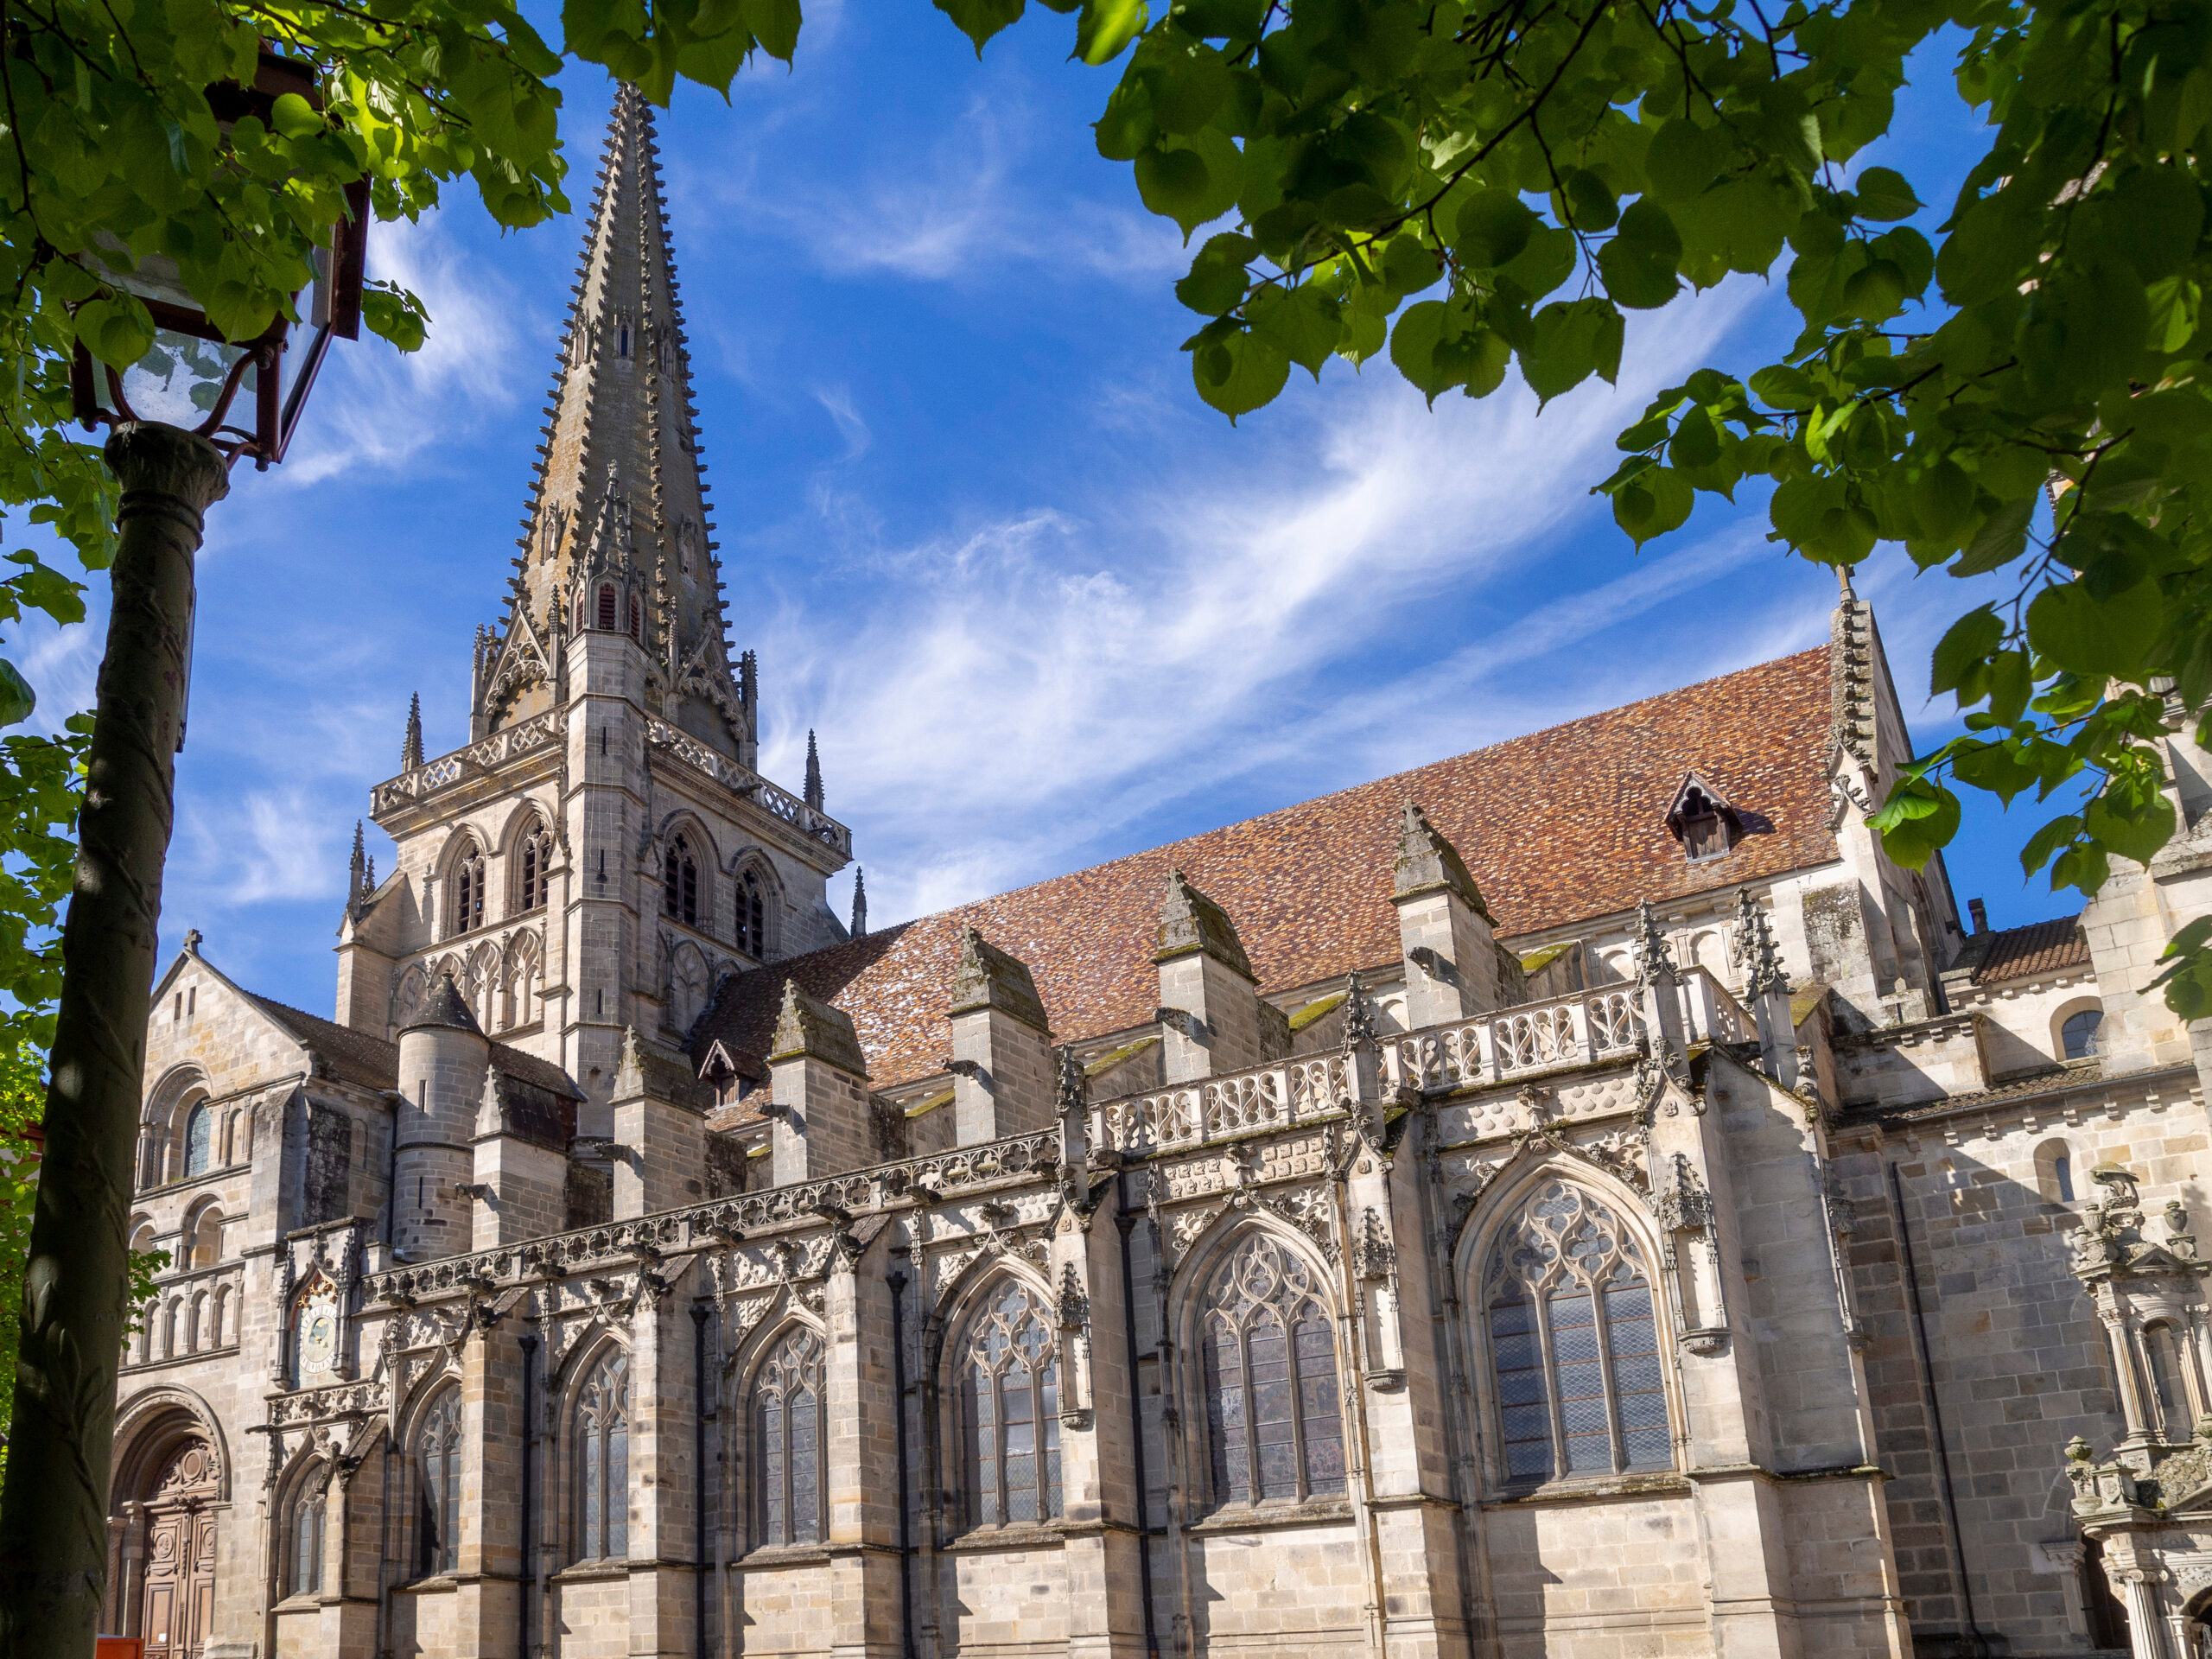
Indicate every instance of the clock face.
{"type": "Point", "coordinates": [318, 1338]}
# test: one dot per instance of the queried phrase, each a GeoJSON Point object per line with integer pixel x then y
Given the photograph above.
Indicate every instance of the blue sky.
{"type": "Point", "coordinates": [1042, 604]}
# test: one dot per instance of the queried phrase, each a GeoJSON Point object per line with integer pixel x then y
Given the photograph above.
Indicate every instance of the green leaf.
{"type": "Point", "coordinates": [2101, 639]}
{"type": "Point", "coordinates": [775, 24]}
{"type": "Point", "coordinates": [1638, 263]}
{"type": "Point", "coordinates": [1107, 27]}
{"type": "Point", "coordinates": [1584, 202]}
{"type": "Point", "coordinates": [1784, 387]}
{"type": "Point", "coordinates": [1882, 193]}
{"type": "Point", "coordinates": [977, 19]}
{"type": "Point", "coordinates": [1239, 372]}
{"type": "Point", "coordinates": [1218, 279]}
{"type": "Point", "coordinates": [295, 117]}
{"type": "Point", "coordinates": [1568, 343]}
{"type": "Point", "coordinates": [114, 331]}
{"type": "Point", "coordinates": [1655, 501]}
{"type": "Point", "coordinates": [17, 698]}
{"type": "Point", "coordinates": [1964, 647]}
{"type": "Point", "coordinates": [1919, 819]}
{"type": "Point", "coordinates": [1303, 320]}
{"type": "Point", "coordinates": [1494, 228]}
{"type": "Point", "coordinates": [2001, 539]}
{"type": "Point", "coordinates": [1544, 264]}
{"type": "Point", "coordinates": [1191, 180]}
{"type": "Point", "coordinates": [1684, 158]}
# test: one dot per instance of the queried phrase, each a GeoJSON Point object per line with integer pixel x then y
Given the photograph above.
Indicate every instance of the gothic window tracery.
{"type": "Point", "coordinates": [752, 917]}
{"type": "Point", "coordinates": [680, 882]}
{"type": "Point", "coordinates": [437, 1461]}
{"type": "Point", "coordinates": [1009, 1412]}
{"type": "Point", "coordinates": [466, 887]}
{"type": "Point", "coordinates": [602, 1460]}
{"type": "Point", "coordinates": [1574, 1356]}
{"type": "Point", "coordinates": [304, 1536]}
{"type": "Point", "coordinates": [788, 1448]}
{"type": "Point", "coordinates": [1274, 1426]}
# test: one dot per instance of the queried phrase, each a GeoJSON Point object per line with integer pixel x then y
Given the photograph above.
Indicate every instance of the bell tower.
{"type": "Point", "coordinates": [602, 851]}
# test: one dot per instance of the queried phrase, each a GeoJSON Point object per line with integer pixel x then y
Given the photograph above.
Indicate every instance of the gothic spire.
{"type": "Point", "coordinates": [410, 746]}
{"type": "Point", "coordinates": [359, 867]}
{"type": "Point", "coordinates": [619, 496]}
{"type": "Point", "coordinates": [813, 774]}
{"type": "Point", "coordinates": [860, 901]}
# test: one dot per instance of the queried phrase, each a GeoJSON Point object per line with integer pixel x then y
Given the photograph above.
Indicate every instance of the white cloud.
{"type": "Point", "coordinates": [837, 402]}
{"type": "Point", "coordinates": [376, 407]}
{"type": "Point", "coordinates": [1015, 695]}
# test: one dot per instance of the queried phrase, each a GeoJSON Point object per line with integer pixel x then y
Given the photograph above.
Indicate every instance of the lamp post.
{"type": "Point", "coordinates": [53, 1545]}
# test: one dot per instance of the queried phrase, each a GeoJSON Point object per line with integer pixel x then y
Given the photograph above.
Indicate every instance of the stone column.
{"type": "Point", "coordinates": [1097, 1458]}
{"type": "Point", "coordinates": [1443, 928]}
{"type": "Point", "coordinates": [488, 1608]}
{"type": "Point", "coordinates": [860, 1421]}
{"type": "Point", "coordinates": [1210, 1014]}
{"type": "Point", "coordinates": [2146, 1629]}
{"type": "Point", "coordinates": [663, 1485]}
{"type": "Point", "coordinates": [824, 1123]}
{"type": "Point", "coordinates": [1001, 1060]}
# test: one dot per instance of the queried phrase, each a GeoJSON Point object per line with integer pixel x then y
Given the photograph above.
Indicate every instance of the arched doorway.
{"type": "Point", "coordinates": [168, 1512]}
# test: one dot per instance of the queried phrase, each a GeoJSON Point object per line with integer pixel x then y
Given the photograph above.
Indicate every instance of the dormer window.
{"type": "Point", "coordinates": [1703, 821]}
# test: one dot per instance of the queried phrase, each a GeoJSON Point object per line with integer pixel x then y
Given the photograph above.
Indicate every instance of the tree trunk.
{"type": "Point", "coordinates": [53, 1512]}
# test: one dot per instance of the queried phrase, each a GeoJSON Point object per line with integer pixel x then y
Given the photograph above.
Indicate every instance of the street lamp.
{"type": "Point", "coordinates": [172, 442]}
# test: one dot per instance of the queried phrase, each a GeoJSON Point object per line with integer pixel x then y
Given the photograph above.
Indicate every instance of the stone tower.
{"type": "Point", "coordinates": [602, 852]}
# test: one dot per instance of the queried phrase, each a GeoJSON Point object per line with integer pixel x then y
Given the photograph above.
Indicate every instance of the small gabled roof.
{"type": "Point", "coordinates": [2056, 946]}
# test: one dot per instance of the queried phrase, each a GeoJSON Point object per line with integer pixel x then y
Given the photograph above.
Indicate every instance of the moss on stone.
{"type": "Point", "coordinates": [1313, 1011]}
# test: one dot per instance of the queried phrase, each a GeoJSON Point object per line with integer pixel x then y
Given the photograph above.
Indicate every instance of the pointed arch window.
{"type": "Point", "coordinates": [467, 885]}
{"type": "Point", "coordinates": [1275, 1425]}
{"type": "Point", "coordinates": [304, 1536]}
{"type": "Point", "coordinates": [1575, 1370]}
{"type": "Point", "coordinates": [607, 606]}
{"type": "Point", "coordinates": [602, 1460]}
{"type": "Point", "coordinates": [1009, 1412]}
{"type": "Point", "coordinates": [534, 855]}
{"type": "Point", "coordinates": [752, 917]}
{"type": "Point", "coordinates": [680, 880]}
{"type": "Point", "coordinates": [199, 1139]}
{"type": "Point", "coordinates": [437, 1459]}
{"type": "Point", "coordinates": [788, 1447]}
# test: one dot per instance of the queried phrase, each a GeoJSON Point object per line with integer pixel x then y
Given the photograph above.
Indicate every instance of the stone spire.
{"type": "Point", "coordinates": [1755, 948]}
{"type": "Point", "coordinates": [410, 746]}
{"type": "Point", "coordinates": [619, 498]}
{"type": "Point", "coordinates": [813, 774]}
{"type": "Point", "coordinates": [357, 890]}
{"type": "Point", "coordinates": [860, 902]}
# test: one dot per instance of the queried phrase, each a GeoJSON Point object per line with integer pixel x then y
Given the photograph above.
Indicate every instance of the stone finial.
{"type": "Point", "coordinates": [1427, 862]}
{"type": "Point", "coordinates": [1358, 1016]}
{"type": "Point", "coordinates": [860, 902]}
{"type": "Point", "coordinates": [411, 745]}
{"type": "Point", "coordinates": [192, 941]}
{"type": "Point", "coordinates": [1192, 923]}
{"type": "Point", "coordinates": [630, 1070]}
{"type": "Point", "coordinates": [814, 1030]}
{"type": "Point", "coordinates": [813, 774]}
{"type": "Point", "coordinates": [1755, 950]}
{"type": "Point", "coordinates": [1074, 1083]}
{"type": "Point", "coordinates": [445, 1006]}
{"type": "Point", "coordinates": [989, 978]}
{"type": "Point", "coordinates": [1654, 961]}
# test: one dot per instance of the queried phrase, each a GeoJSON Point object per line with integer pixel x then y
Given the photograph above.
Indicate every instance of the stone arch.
{"type": "Point", "coordinates": [1191, 1313]}
{"type": "Point", "coordinates": [757, 931]}
{"type": "Point", "coordinates": [460, 905]}
{"type": "Point", "coordinates": [409, 988]}
{"type": "Point", "coordinates": [522, 980]}
{"type": "Point", "coordinates": [199, 1242]}
{"type": "Point", "coordinates": [306, 1479]}
{"type": "Point", "coordinates": [565, 1394]}
{"type": "Point", "coordinates": [2087, 1002]}
{"type": "Point", "coordinates": [528, 822]}
{"type": "Point", "coordinates": [706, 861]}
{"type": "Point", "coordinates": [480, 983]}
{"type": "Point", "coordinates": [151, 1426]}
{"type": "Point", "coordinates": [424, 1401]}
{"type": "Point", "coordinates": [166, 1503]}
{"type": "Point", "coordinates": [741, 1375]}
{"type": "Point", "coordinates": [1637, 1253]}
{"type": "Point", "coordinates": [977, 1298]}
{"type": "Point", "coordinates": [168, 1114]}
{"type": "Point", "coordinates": [690, 984]}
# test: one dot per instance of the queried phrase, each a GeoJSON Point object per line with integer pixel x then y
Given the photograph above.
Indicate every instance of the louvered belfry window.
{"type": "Point", "coordinates": [1574, 1353]}
{"type": "Point", "coordinates": [788, 1446]}
{"type": "Point", "coordinates": [1275, 1424]}
{"type": "Point", "coordinates": [1009, 1407]}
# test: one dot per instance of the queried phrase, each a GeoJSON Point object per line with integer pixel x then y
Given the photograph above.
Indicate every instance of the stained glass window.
{"type": "Point", "coordinates": [1009, 1409]}
{"type": "Point", "coordinates": [1275, 1423]}
{"type": "Point", "coordinates": [788, 1448]}
{"type": "Point", "coordinates": [199, 1140]}
{"type": "Point", "coordinates": [1574, 1343]}
{"type": "Point", "coordinates": [602, 1443]}
{"type": "Point", "coordinates": [438, 1451]}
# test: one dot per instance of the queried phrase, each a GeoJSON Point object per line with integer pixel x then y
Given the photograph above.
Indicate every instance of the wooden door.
{"type": "Point", "coordinates": [177, 1606]}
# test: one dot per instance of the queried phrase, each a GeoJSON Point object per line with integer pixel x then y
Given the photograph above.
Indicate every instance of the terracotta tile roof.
{"type": "Point", "coordinates": [2020, 952]}
{"type": "Point", "coordinates": [1558, 826]}
{"type": "Point", "coordinates": [359, 1057]}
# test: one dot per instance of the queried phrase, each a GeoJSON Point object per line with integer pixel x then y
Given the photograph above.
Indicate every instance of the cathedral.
{"type": "Point", "coordinates": [1576, 1199]}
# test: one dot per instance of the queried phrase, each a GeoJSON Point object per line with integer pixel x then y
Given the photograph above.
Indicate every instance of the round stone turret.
{"type": "Point", "coordinates": [443, 1056]}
